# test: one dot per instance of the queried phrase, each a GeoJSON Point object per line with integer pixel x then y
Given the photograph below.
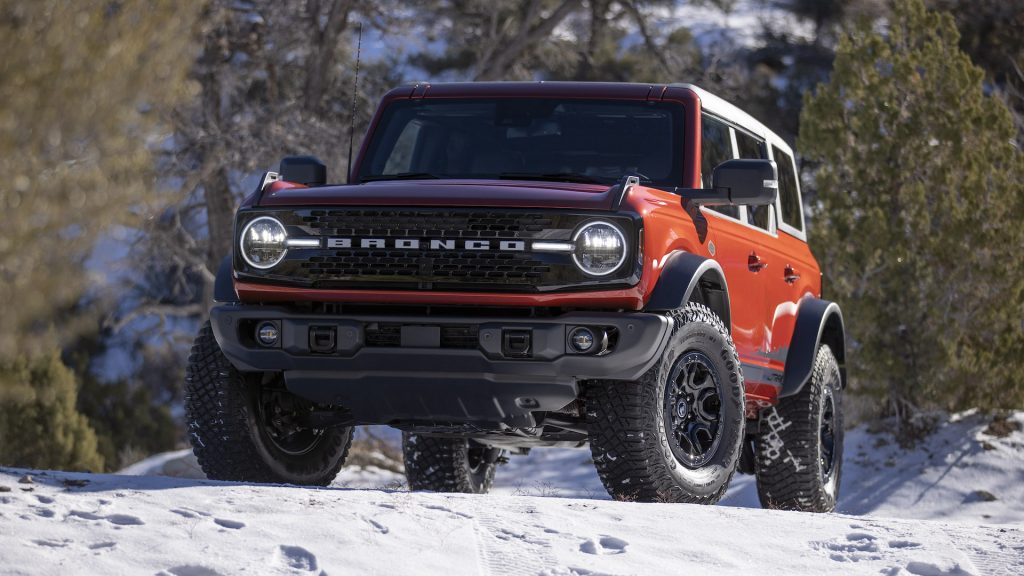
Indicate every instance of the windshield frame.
{"type": "Point", "coordinates": [375, 140]}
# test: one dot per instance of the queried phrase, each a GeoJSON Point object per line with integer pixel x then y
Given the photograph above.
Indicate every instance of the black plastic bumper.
{"type": "Point", "coordinates": [477, 384]}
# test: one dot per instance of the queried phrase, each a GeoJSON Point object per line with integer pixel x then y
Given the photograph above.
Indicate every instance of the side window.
{"type": "Point", "coordinates": [716, 147]}
{"type": "Point", "coordinates": [789, 195]}
{"type": "Point", "coordinates": [750, 146]}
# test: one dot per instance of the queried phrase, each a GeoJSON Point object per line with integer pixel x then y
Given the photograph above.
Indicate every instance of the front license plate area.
{"type": "Point", "coordinates": [421, 337]}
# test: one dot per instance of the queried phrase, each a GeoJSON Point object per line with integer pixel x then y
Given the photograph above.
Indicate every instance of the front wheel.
{"type": "Point", "coordinates": [800, 444]}
{"type": "Point", "coordinates": [248, 428]}
{"type": "Point", "coordinates": [675, 434]}
{"type": "Point", "coordinates": [448, 464]}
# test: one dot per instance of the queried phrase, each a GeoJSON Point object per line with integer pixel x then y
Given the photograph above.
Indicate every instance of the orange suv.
{"type": "Point", "coordinates": [522, 265]}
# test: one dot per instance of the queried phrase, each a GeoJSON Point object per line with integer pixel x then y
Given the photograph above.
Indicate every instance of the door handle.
{"type": "Point", "coordinates": [755, 264]}
{"type": "Point", "coordinates": [790, 275]}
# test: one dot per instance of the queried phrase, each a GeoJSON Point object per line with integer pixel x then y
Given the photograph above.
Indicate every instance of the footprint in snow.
{"type": "Point", "coordinates": [117, 519]}
{"type": "Point", "coordinates": [188, 512]}
{"type": "Point", "coordinates": [232, 524]}
{"type": "Point", "coordinates": [191, 570]}
{"type": "Point", "coordinates": [297, 558]}
{"type": "Point", "coordinates": [43, 512]}
{"type": "Point", "coordinates": [903, 544]}
{"type": "Point", "coordinates": [446, 509]}
{"type": "Point", "coordinates": [855, 547]}
{"type": "Point", "coordinates": [124, 520]}
{"type": "Point", "coordinates": [929, 569]}
{"type": "Point", "coordinates": [605, 545]}
{"type": "Point", "coordinates": [52, 543]}
{"type": "Point", "coordinates": [44, 499]}
{"type": "Point", "coordinates": [380, 528]}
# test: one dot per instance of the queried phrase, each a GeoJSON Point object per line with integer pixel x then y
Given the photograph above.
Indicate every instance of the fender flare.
{"type": "Point", "coordinates": [817, 322]}
{"type": "Point", "coordinates": [224, 283]}
{"type": "Point", "coordinates": [685, 277]}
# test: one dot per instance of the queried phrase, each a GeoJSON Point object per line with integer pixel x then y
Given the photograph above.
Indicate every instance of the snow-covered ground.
{"type": "Point", "coordinates": [953, 505]}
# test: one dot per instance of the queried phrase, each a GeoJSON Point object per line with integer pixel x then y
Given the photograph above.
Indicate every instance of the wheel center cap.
{"type": "Point", "coordinates": [682, 408]}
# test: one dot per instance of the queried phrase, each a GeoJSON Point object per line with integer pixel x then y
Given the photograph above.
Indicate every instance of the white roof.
{"type": "Point", "coordinates": [721, 107]}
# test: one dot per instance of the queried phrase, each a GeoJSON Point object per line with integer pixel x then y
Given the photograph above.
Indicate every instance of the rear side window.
{"type": "Point", "coordinates": [789, 194]}
{"type": "Point", "coordinates": [749, 146]}
{"type": "Point", "coordinates": [752, 147]}
{"type": "Point", "coordinates": [715, 148]}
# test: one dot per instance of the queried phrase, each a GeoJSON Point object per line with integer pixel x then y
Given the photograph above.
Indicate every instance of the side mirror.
{"type": "Point", "coordinates": [750, 182]}
{"type": "Point", "coordinates": [307, 170]}
{"type": "Point", "coordinates": [737, 182]}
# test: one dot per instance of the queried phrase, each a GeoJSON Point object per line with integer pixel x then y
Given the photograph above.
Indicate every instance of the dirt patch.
{"type": "Point", "coordinates": [1001, 426]}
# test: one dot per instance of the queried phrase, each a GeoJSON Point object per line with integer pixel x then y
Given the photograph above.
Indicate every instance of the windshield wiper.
{"type": "Point", "coordinates": [401, 176]}
{"type": "Point", "coordinates": [552, 176]}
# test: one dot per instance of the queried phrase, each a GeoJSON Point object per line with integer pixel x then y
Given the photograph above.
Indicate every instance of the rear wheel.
{"type": "Point", "coordinates": [249, 428]}
{"type": "Point", "coordinates": [675, 434]}
{"type": "Point", "coordinates": [448, 464]}
{"type": "Point", "coordinates": [800, 444]}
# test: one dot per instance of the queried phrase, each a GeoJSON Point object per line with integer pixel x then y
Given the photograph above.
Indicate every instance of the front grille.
{"type": "Point", "coordinates": [389, 334]}
{"type": "Point", "coordinates": [464, 266]}
{"type": "Point", "coordinates": [431, 249]}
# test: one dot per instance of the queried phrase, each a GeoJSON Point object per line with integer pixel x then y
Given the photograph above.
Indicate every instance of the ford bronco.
{"type": "Point", "coordinates": [522, 265]}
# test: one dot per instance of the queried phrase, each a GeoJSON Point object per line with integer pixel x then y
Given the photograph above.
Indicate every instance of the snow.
{"type": "Point", "coordinates": [742, 27]}
{"type": "Point", "coordinates": [902, 512]}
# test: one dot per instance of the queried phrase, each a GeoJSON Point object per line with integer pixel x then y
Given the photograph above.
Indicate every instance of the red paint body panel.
{"type": "Point", "coordinates": [631, 299]}
{"type": "Point", "coordinates": [469, 193]}
{"type": "Point", "coordinates": [783, 254]}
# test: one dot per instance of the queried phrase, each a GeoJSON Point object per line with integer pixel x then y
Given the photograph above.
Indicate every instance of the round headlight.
{"type": "Point", "coordinates": [263, 242]}
{"type": "Point", "coordinates": [600, 248]}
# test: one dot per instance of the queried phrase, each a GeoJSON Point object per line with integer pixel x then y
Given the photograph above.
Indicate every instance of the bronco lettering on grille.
{"type": "Point", "coordinates": [417, 244]}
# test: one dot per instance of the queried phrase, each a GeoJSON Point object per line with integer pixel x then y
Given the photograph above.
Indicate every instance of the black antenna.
{"type": "Point", "coordinates": [355, 95]}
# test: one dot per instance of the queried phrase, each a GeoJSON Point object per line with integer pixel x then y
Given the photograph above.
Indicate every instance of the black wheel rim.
{"type": "Point", "coordinates": [693, 409]}
{"type": "Point", "coordinates": [281, 423]}
{"type": "Point", "coordinates": [827, 437]}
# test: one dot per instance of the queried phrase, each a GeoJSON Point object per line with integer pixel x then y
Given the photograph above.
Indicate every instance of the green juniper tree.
{"type": "Point", "coordinates": [918, 220]}
{"type": "Point", "coordinates": [82, 86]}
{"type": "Point", "coordinates": [39, 424]}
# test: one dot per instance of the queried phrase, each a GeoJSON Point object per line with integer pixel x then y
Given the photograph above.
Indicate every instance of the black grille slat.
{"type": "Point", "coordinates": [460, 336]}
{"type": "Point", "coordinates": [427, 223]}
{"type": "Point", "coordinates": [341, 264]}
{"type": "Point", "coordinates": [384, 334]}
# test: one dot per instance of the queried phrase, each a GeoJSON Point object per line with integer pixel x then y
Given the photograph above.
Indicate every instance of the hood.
{"type": "Point", "coordinates": [467, 193]}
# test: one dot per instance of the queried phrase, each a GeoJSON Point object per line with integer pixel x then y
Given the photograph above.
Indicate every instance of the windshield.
{"type": "Point", "coordinates": [571, 140]}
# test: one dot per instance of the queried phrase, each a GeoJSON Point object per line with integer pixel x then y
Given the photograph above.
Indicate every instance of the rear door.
{"type": "Point", "coordinates": [733, 243]}
{"type": "Point", "coordinates": [792, 272]}
{"type": "Point", "coordinates": [762, 376]}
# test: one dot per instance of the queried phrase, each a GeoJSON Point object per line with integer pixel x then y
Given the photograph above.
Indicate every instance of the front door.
{"type": "Point", "coordinates": [732, 243]}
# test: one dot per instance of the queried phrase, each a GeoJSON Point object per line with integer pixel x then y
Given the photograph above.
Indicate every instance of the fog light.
{"type": "Point", "coordinates": [582, 339]}
{"type": "Point", "coordinates": [267, 334]}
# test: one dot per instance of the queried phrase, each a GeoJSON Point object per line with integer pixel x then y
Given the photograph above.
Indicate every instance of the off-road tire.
{"type": "Point", "coordinates": [626, 421]}
{"type": "Point", "coordinates": [790, 469]}
{"type": "Point", "coordinates": [443, 465]}
{"type": "Point", "coordinates": [226, 436]}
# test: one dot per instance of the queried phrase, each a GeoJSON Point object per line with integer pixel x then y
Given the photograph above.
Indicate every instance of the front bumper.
{"type": "Point", "coordinates": [427, 383]}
